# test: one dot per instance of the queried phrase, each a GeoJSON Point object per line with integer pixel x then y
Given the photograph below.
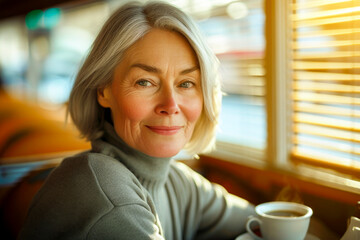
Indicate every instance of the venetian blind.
{"type": "Point", "coordinates": [326, 84]}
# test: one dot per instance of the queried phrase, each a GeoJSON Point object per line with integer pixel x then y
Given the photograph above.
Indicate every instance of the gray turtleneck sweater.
{"type": "Point", "coordinates": [116, 192]}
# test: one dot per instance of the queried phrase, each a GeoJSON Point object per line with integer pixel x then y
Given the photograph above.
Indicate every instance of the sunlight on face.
{"type": "Point", "coordinates": [155, 97]}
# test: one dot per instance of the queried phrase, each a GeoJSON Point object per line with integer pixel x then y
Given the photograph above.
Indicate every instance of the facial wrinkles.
{"type": "Point", "coordinates": [166, 62]}
{"type": "Point", "coordinates": [170, 58]}
{"type": "Point", "coordinates": [132, 132]}
{"type": "Point", "coordinates": [168, 91]}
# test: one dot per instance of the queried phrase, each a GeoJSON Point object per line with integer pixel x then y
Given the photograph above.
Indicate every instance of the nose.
{"type": "Point", "coordinates": [168, 104]}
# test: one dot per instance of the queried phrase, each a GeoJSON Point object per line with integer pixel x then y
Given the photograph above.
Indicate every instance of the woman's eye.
{"type": "Point", "coordinates": [144, 83]}
{"type": "Point", "coordinates": [187, 84]}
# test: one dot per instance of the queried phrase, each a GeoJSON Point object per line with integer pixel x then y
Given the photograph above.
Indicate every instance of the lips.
{"type": "Point", "coordinates": [165, 130]}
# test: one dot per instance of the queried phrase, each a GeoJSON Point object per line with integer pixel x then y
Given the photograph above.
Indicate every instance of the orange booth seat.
{"type": "Point", "coordinates": [32, 142]}
{"type": "Point", "coordinates": [27, 130]}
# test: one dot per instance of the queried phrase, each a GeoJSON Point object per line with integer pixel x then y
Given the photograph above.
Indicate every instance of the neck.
{"type": "Point", "coordinates": [145, 167]}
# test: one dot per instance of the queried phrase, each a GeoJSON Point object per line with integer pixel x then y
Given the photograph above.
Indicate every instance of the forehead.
{"type": "Point", "coordinates": [162, 45]}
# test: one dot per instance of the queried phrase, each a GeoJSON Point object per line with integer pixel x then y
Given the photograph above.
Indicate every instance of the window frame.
{"type": "Point", "coordinates": [279, 111]}
{"type": "Point", "coordinates": [277, 73]}
{"type": "Point", "coordinates": [278, 86]}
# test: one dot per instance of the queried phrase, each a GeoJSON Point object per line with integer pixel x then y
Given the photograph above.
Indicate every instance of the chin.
{"type": "Point", "coordinates": [164, 155]}
{"type": "Point", "coordinates": [164, 152]}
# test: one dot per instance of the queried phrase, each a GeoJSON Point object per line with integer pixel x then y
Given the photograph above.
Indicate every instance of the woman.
{"type": "Point", "coordinates": [148, 89]}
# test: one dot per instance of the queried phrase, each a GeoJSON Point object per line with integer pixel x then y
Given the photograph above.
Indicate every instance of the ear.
{"type": "Point", "coordinates": [103, 96]}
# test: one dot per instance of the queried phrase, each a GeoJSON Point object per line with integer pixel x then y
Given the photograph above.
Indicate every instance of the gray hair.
{"type": "Point", "coordinates": [124, 27]}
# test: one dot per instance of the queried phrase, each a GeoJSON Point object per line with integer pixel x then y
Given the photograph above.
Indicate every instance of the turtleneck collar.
{"type": "Point", "coordinates": [145, 167]}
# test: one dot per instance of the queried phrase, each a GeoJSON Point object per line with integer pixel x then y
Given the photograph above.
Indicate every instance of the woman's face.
{"type": "Point", "coordinates": [155, 97]}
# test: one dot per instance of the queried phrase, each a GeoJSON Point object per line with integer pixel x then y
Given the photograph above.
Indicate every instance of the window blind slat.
{"type": "Point", "coordinates": [325, 33]}
{"type": "Point", "coordinates": [326, 110]}
{"type": "Point", "coordinates": [306, 65]}
{"type": "Point", "coordinates": [327, 55]}
{"type": "Point", "coordinates": [326, 14]}
{"type": "Point", "coordinates": [325, 98]}
{"type": "Point", "coordinates": [331, 162]}
{"type": "Point", "coordinates": [315, 156]}
{"type": "Point", "coordinates": [326, 87]}
{"type": "Point", "coordinates": [327, 44]}
{"type": "Point", "coordinates": [325, 76]}
{"type": "Point", "coordinates": [326, 144]}
{"type": "Point", "coordinates": [322, 22]}
{"type": "Point", "coordinates": [330, 122]}
{"type": "Point", "coordinates": [323, 14]}
{"type": "Point", "coordinates": [320, 3]}
{"type": "Point", "coordinates": [327, 132]}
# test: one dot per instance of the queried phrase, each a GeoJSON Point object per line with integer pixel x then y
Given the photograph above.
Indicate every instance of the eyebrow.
{"type": "Point", "coordinates": [152, 69]}
{"type": "Point", "coordinates": [145, 67]}
{"type": "Point", "coordinates": [189, 70]}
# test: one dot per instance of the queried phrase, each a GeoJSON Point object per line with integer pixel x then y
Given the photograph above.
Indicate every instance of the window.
{"type": "Point", "coordinates": [311, 95]}
{"type": "Point", "coordinates": [235, 31]}
{"type": "Point", "coordinates": [291, 74]}
{"type": "Point", "coordinates": [326, 84]}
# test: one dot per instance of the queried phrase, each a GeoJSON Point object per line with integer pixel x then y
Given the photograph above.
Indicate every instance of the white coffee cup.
{"type": "Point", "coordinates": [280, 221]}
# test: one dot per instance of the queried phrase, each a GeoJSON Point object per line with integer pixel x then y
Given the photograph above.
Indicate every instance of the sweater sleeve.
{"type": "Point", "coordinates": [216, 213]}
{"type": "Point", "coordinates": [128, 222]}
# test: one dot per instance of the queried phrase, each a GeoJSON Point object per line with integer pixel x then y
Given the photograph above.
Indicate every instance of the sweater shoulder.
{"type": "Point", "coordinates": [78, 194]}
{"type": "Point", "coordinates": [112, 177]}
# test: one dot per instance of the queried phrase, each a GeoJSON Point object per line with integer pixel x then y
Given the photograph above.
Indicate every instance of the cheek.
{"type": "Point", "coordinates": [194, 109]}
{"type": "Point", "coordinates": [133, 108]}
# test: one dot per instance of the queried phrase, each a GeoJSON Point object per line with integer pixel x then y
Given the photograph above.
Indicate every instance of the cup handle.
{"type": "Point", "coordinates": [356, 231]}
{"type": "Point", "coordinates": [248, 228]}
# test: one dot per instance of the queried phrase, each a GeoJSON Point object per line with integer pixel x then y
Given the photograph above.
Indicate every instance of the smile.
{"type": "Point", "coordinates": [164, 130]}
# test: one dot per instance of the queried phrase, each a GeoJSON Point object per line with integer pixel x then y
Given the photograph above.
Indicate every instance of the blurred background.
{"type": "Point", "coordinates": [290, 69]}
{"type": "Point", "coordinates": [43, 49]}
{"type": "Point", "coordinates": [290, 120]}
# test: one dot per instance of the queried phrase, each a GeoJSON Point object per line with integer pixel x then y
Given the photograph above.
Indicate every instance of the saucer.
{"type": "Point", "coordinates": [244, 236]}
{"type": "Point", "coordinates": [247, 236]}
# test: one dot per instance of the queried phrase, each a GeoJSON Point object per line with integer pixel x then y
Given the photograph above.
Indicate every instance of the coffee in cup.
{"type": "Point", "coordinates": [280, 221]}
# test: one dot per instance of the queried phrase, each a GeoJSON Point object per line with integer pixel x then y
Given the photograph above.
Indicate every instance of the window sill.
{"type": "Point", "coordinates": [306, 179]}
{"type": "Point", "coordinates": [260, 183]}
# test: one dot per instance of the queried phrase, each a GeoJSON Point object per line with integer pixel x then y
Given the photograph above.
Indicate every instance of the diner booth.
{"type": "Point", "coordinates": [289, 126]}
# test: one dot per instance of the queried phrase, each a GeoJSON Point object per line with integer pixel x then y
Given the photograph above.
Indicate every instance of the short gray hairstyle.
{"type": "Point", "coordinates": [124, 27]}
